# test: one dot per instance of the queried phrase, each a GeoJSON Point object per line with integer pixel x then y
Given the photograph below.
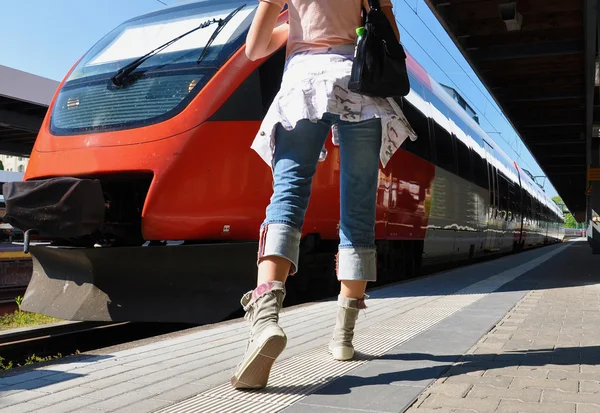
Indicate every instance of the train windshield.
{"type": "Point", "coordinates": [167, 80]}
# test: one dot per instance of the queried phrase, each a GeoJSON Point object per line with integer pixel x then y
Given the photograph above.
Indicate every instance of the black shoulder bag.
{"type": "Point", "coordinates": [379, 68]}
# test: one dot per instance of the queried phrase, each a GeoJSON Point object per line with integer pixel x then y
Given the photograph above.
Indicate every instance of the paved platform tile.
{"type": "Point", "coordinates": [535, 360]}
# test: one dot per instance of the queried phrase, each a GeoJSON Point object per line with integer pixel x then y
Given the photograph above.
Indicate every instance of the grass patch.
{"type": "Point", "coordinates": [7, 365]}
{"type": "Point", "coordinates": [20, 318]}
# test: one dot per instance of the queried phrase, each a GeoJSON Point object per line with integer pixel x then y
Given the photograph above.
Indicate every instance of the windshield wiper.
{"type": "Point", "coordinates": [222, 24]}
{"type": "Point", "coordinates": [124, 78]}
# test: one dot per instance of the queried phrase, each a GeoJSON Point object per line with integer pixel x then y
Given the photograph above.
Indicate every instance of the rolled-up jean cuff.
{"type": "Point", "coordinates": [357, 264]}
{"type": "Point", "coordinates": [280, 240]}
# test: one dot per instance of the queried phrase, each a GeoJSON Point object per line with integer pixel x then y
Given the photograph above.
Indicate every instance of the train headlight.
{"type": "Point", "coordinates": [72, 103]}
{"type": "Point", "coordinates": [192, 85]}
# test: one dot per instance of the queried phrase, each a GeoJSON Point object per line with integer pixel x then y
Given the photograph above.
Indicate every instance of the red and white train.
{"type": "Point", "coordinates": [183, 195]}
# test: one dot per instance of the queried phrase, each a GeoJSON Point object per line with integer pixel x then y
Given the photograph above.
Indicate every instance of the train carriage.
{"type": "Point", "coordinates": [162, 144]}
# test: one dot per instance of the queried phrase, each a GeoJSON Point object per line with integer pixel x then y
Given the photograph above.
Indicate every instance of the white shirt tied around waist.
{"type": "Point", "coordinates": [316, 82]}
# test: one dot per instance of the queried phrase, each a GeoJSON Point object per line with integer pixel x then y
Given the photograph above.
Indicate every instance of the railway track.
{"type": "Point", "coordinates": [67, 338]}
{"type": "Point", "coordinates": [7, 298]}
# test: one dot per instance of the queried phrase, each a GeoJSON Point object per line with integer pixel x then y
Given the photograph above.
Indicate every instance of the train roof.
{"type": "Point", "coordinates": [501, 160]}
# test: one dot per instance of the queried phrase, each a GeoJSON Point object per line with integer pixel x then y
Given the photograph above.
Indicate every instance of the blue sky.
{"type": "Point", "coordinates": [47, 37]}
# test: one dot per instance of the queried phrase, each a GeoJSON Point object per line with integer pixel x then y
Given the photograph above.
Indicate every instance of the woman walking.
{"type": "Point", "coordinates": [313, 99]}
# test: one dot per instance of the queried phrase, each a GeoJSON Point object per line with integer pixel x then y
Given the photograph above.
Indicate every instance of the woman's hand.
{"type": "Point", "coordinates": [263, 38]}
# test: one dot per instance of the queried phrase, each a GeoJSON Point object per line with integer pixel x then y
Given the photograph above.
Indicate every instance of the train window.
{"type": "Point", "coordinates": [444, 149]}
{"type": "Point", "coordinates": [244, 102]}
{"type": "Point", "coordinates": [443, 141]}
{"type": "Point", "coordinates": [514, 200]}
{"type": "Point", "coordinates": [171, 79]}
{"type": "Point", "coordinates": [464, 160]}
{"type": "Point", "coordinates": [419, 122]}
{"type": "Point", "coordinates": [531, 210]}
{"type": "Point", "coordinates": [543, 213]}
{"type": "Point", "coordinates": [503, 195]}
{"type": "Point", "coordinates": [493, 191]}
{"type": "Point", "coordinates": [480, 170]}
{"type": "Point", "coordinates": [252, 99]}
{"type": "Point", "coordinates": [492, 175]}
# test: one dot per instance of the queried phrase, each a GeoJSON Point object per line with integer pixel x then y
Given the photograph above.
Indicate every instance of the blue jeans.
{"type": "Point", "coordinates": [294, 165]}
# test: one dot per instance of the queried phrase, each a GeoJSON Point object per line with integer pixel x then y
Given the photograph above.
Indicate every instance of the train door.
{"type": "Point", "coordinates": [548, 224]}
{"type": "Point", "coordinates": [491, 230]}
{"type": "Point", "coordinates": [523, 215]}
{"type": "Point", "coordinates": [465, 202]}
{"type": "Point", "coordinates": [504, 238]}
{"type": "Point", "coordinates": [548, 230]}
{"type": "Point", "coordinates": [514, 216]}
{"type": "Point", "coordinates": [441, 230]}
{"type": "Point", "coordinates": [519, 207]}
{"type": "Point", "coordinates": [497, 217]}
{"type": "Point", "coordinates": [481, 187]}
{"type": "Point", "coordinates": [535, 221]}
{"type": "Point", "coordinates": [528, 234]}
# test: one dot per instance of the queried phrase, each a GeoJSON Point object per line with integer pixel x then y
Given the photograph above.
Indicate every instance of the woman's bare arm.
{"type": "Point", "coordinates": [263, 37]}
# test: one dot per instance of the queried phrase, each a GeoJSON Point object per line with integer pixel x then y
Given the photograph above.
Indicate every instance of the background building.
{"type": "Point", "coordinates": [13, 163]}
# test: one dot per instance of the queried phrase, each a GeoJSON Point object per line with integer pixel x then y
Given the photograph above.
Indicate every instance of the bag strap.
{"type": "Point", "coordinates": [374, 4]}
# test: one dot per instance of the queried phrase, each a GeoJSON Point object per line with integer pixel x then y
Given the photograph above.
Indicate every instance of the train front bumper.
{"type": "Point", "coordinates": [197, 284]}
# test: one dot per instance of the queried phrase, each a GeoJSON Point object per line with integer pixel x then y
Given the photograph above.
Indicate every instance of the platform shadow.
{"type": "Point", "coordinates": [547, 275]}
{"type": "Point", "coordinates": [420, 369]}
{"type": "Point", "coordinates": [33, 378]}
{"type": "Point", "coordinates": [440, 366]}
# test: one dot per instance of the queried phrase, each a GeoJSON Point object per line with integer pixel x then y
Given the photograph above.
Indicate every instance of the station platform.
{"type": "Point", "coordinates": [9, 251]}
{"type": "Point", "coordinates": [516, 334]}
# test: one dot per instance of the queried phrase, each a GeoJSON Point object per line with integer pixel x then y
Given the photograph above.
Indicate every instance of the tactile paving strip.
{"type": "Point", "coordinates": [301, 375]}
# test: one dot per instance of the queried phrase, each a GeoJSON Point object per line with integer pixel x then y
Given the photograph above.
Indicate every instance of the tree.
{"type": "Point", "coordinates": [558, 201]}
{"type": "Point", "coordinates": [570, 221]}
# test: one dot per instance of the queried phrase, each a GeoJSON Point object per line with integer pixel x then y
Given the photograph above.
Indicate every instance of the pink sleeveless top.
{"type": "Point", "coordinates": [320, 53]}
{"type": "Point", "coordinates": [316, 24]}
